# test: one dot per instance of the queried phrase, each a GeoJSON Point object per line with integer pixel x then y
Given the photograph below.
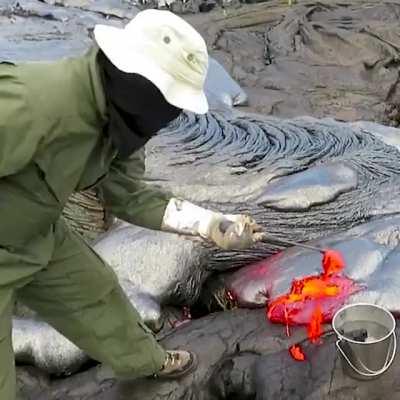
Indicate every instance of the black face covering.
{"type": "Point", "coordinates": [137, 108]}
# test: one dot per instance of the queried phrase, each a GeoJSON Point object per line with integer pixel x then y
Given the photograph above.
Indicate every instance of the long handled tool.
{"type": "Point", "coordinates": [332, 261]}
{"type": "Point", "coordinates": [272, 239]}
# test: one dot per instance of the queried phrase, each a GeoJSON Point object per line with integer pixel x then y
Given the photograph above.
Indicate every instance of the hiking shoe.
{"type": "Point", "coordinates": [177, 364]}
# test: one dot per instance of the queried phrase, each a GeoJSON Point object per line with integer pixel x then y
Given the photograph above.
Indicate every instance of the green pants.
{"type": "Point", "coordinates": [79, 295]}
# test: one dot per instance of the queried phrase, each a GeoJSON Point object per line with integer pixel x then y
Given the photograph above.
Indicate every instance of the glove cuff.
{"type": "Point", "coordinates": [186, 218]}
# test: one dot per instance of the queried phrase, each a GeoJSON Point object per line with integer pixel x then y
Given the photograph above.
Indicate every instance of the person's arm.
{"type": "Point", "coordinates": [227, 231]}
{"type": "Point", "coordinates": [127, 197]}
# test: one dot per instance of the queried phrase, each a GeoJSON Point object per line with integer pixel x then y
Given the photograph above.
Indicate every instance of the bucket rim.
{"type": "Point", "coordinates": [341, 337]}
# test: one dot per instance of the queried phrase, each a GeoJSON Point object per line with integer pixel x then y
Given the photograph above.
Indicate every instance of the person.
{"type": "Point", "coordinates": [82, 122]}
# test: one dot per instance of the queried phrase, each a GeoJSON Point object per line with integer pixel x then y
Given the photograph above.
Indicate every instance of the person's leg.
{"type": "Point", "coordinates": [17, 266]}
{"type": "Point", "coordinates": [79, 295]}
{"type": "Point", "coordinates": [7, 364]}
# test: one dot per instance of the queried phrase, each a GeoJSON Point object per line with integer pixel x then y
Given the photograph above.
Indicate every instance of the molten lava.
{"type": "Point", "coordinates": [332, 262]}
{"type": "Point", "coordinates": [297, 353]}
{"type": "Point", "coordinates": [315, 327]}
{"type": "Point", "coordinates": [299, 305]}
{"type": "Point", "coordinates": [313, 300]}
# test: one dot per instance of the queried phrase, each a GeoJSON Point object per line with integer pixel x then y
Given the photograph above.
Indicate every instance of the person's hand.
{"type": "Point", "coordinates": [226, 231]}
{"type": "Point", "coordinates": [234, 232]}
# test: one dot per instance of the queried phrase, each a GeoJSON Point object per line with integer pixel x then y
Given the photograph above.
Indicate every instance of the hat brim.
{"type": "Point", "coordinates": [129, 58]}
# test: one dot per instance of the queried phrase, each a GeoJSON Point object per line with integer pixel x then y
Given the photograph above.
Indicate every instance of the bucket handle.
{"type": "Point", "coordinates": [371, 372]}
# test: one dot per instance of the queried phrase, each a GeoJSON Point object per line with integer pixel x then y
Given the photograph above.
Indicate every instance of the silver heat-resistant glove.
{"type": "Point", "coordinates": [228, 232]}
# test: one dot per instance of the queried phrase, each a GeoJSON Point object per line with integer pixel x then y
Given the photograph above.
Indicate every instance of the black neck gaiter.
{"type": "Point", "coordinates": [137, 109]}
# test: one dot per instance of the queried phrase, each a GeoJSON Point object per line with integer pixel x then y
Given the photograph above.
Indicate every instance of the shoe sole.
{"type": "Point", "coordinates": [186, 371]}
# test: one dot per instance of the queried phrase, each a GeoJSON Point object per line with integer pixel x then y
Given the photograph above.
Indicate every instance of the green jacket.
{"type": "Point", "coordinates": [51, 144]}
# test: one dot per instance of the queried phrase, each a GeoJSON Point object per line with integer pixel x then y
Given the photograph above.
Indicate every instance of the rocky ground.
{"type": "Point", "coordinates": [320, 58]}
{"type": "Point", "coordinates": [242, 357]}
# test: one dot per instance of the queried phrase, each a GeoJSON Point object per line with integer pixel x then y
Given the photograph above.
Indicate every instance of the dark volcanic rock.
{"type": "Point", "coordinates": [301, 178]}
{"type": "Point", "coordinates": [241, 356]}
{"type": "Point", "coordinates": [32, 30]}
{"type": "Point", "coordinates": [325, 58]}
{"type": "Point", "coordinates": [320, 58]}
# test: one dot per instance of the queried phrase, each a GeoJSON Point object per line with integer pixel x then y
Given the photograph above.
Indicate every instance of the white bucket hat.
{"type": "Point", "coordinates": [164, 49]}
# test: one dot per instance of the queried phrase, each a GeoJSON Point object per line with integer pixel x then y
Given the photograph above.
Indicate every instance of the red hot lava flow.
{"type": "Point", "coordinates": [297, 353]}
{"type": "Point", "coordinates": [313, 300]}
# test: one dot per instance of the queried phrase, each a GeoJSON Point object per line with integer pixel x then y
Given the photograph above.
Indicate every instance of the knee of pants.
{"type": "Point", "coordinates": [7, 370]}
{"type": "Point", "coordinates": [6, 305]}
{"type": "Point", "coordinates": [108, 277]}
{"type": "Point", "coordinates": [5, 329]}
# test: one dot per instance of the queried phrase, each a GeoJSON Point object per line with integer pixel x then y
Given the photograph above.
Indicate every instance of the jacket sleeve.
{"type": "Point", "coordinates": [128, 197]}
{"type": "Point", "coordinates": [18, 140]}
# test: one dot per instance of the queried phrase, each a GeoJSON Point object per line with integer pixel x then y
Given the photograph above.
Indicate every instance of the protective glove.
{"type": "Point", "coordinates": [226, 231]}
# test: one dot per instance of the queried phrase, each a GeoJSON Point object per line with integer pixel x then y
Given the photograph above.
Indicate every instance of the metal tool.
{"type": "Point", "coordinates": [268, 238]}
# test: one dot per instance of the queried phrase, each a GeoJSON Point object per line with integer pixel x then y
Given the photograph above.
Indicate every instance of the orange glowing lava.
{"type": "Point", "coordinates": [314, 329]}
{"type": "Point", "coordinates": [332, 262]}
{"type": "Point", "coordinates": [297, 353]}
{"type": "Point", "coordinates": [313, 300]}
{"type": "Point", "coordinates": [303, 297]}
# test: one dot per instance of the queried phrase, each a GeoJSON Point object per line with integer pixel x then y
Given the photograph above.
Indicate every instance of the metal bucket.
{"type": "Point", "coordinates": [366, 339]}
